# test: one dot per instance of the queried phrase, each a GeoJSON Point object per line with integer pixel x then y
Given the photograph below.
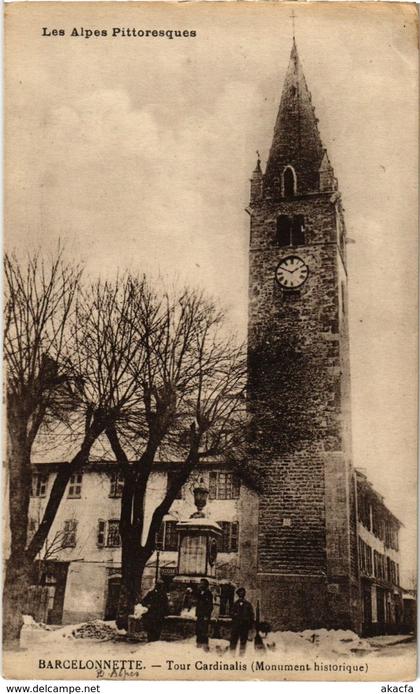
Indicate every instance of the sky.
{"type": "Point", "coordinates": [137, 152]}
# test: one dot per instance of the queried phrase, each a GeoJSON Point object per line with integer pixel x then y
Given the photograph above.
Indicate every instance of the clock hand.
{"type": "Point", "coordinates": [300, 267]}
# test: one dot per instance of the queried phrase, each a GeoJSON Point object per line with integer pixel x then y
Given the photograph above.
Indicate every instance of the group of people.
{"type": "Point", "coordinates": [242, 614]}
{"type": "Point", "coordinates": [242, 618]}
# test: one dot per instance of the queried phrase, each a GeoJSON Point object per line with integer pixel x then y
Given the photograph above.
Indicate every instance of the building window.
{"type": "Point", "coordinates": [284, 225]}
{"type": "Point", "coordinates": [291, 230]}
{"type": "Point", "coordinates": [378, 525]}
{"type": "Point", "coordinates": [228, 541]}
{"type": "Point", "coordinates": [108, 534]}
{"type": "Point", "coordinates": [391, 535]}
{"type": "Point", "coordinates": [167, 537]}
{"type": "Point", "coordinates": [39, 484]}
{"type": "Point", "coordinates": [392, 571]}
{"type": "Point", "coordinates": [223, 485]}
{"type": "Point", "coordinates": [69, 533]}
{"type": "Point", "coordinates": [389, 563]}
{"type": "Point", "coordinates": [298, 230]}
{"type": "Point", "coordinates": [75, 486]}
{"type": "Point", "coordinates": [171, 476]}
{"type": "Point", "coordinates": [113, 536]}
{"type": "Point", "coordinates": [365, 558]}
{"type": "Point", "coordinates": [379, 563]}
{"type": "Point", "coordinates": [289, 182]}
{"type": "Point", "coordinates": [116, 485]}
{"type": "Point", "coordinates": [101, 535]}
{"type": "Point", "coordinates": [364, 511]}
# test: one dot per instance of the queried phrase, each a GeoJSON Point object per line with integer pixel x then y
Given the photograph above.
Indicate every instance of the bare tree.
{"type": "Point", "coordinates": [71, 362]}
{"type": "Point", "coordinates": [50, 551]}
{"type": "Point", "coordinates": [192, 405]}
{"type": "Point", "coordinates": [38, 307]}
{"type": "Point", "coordinates": [116, 358]}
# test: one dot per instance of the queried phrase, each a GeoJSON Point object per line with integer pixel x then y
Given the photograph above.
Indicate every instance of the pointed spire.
{"type": "Point", "coordinates": [296, 141]}
{"type": "Point", "coordinates": [327, 180]}
{"type": "Point", "coordinates": [257, 169]}
{"type": "Point", "coordinates": [256, 181]}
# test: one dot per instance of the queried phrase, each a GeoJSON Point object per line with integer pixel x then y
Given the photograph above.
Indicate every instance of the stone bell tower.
{"type": "Point", "coordinates": [299, 377]}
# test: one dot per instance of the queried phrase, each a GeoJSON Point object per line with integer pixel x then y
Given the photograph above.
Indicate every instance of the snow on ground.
{"type": "Point", "coordinates": [98, 640]}
{"type": "Point", "coordinates": [321, 642]}
{"type": "Point", "coordinates": [390, 639]}
{"type": "Point", "coordinates": [104, 636]}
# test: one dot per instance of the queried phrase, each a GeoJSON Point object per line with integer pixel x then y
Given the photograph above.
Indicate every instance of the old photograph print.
{"type": "Point", "coordinates": [210, 341]}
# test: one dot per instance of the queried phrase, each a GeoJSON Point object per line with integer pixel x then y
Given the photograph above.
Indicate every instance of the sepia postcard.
{"type": "Point", "coordinates": [210, 341]}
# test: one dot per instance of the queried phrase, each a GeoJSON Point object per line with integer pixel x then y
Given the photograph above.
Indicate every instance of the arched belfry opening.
{"type": "Point", "coordinates": [289, 182]}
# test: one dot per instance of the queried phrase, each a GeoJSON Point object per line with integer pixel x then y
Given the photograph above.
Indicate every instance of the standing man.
{"type": "Point", "coordinates": [203, 612]}
{"type": "Point", "coordinates": [242, 621]}
{"type": "Point", "coordinates": [156, 601]}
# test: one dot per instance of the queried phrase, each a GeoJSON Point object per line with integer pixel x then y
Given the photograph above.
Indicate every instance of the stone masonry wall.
{"type": "Point", "coordinates": [298, 400]}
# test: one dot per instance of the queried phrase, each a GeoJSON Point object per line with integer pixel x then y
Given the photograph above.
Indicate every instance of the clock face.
{"type": "Point", "coordinates": [291, 272]}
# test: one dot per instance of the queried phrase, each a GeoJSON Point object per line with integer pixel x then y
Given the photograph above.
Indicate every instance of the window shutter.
{"type": "Point", "coordinates": [100, 539]}
{"type": "Point", "coordinates": [224, 539]}
{"type": "Point", "coordinates": [73, 533]}
{"type": "Point", "coordinates": [234, 537]}
{"type": "Point", "coordinates": [236, 486]}
{"type": "Point", "coordinates": [298, 230]}
{"type": "Point", "coordinates": [220, 538]}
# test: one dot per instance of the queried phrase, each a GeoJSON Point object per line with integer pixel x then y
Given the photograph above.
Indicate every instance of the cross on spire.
{"type": "Point", "coordinates": [293, 17]}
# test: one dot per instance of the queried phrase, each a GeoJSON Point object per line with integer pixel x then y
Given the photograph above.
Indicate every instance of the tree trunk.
{"type": "Point", "coordinates": [17, 575]}
{"type": "Point", "coordinates": [15, 591]}
{"type": "Point", "coordinates": [133, 565]}
{"type": "Point", "coordinates": [59, 487]}
{"type": "Point", "coordinates": [134, 557]}
{"type": "Point", "coordinates": [17, 579]}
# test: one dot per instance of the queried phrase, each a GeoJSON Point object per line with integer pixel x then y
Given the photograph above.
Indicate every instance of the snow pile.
{"type": "Point", "coordinates": [96, 629]}
{"type": "Point", "coordinates": [139, 611]}
{"type": "Point", "coordinates": [32, 630]}
{"type": "Point", "coordinates": [322, 642]}
{"type": "Point", "coordinates": [188, 612]}
{"type": "Point", "coordinates": [105, 638]}
{"type": "Point", "coordinates": [28, 620]}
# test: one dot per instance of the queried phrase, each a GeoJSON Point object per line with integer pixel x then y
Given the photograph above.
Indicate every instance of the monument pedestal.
{"type": "Point", "coordinates": [197, 552]}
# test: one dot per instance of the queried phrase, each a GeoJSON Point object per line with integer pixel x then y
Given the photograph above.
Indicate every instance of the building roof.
{"type": "Point", "coordinates": [60, 446]}
{"type": "Point", "coordinates": [368, 486]}
{"type": "Point", "coordinates": [296, 140]}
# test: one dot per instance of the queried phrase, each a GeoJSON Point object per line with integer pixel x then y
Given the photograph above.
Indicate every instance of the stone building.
{"type": "Point", "coordinates": [81, 561]}
{"type": "Point", "coordinates": [317, 546]}
{"type": "Point", "coordinates": [379, 561]}
{"type": "Point", "coordinates": [306, 545]}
